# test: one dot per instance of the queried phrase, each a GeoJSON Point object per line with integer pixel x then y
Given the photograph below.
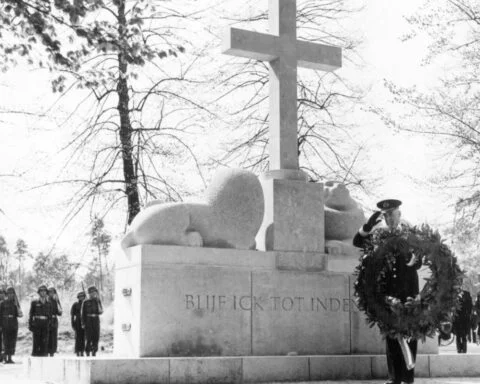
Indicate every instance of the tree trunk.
{"type": "Point", "coordinates": [129, 171]}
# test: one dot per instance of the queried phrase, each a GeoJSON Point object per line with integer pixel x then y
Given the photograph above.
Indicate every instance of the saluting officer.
{"type": "Point", "coordinates": [2, 298]}
{"type": "Point", "coordinates": [91, 310]}
{"type": "Point", "coordinates": [402, 282]}
{"type": "Point", "coordinates": [75, 315]}
{"type": "Point", "coordinates": [39, 322]}
{"type": "Point", "coordinates": [56, 311]}
{"type": "Point", "coordinates": [9, 312]}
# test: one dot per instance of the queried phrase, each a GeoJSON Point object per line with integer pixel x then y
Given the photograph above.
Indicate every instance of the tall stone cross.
{"type": "Point", "coordinates": [284, 53]}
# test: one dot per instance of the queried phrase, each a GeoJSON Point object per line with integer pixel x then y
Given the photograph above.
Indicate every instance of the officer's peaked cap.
{"type": "Point", "coordinates": [389, 204]}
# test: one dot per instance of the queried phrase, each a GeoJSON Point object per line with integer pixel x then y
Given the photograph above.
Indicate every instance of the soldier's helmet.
{"type": "Point", "coordinates": [80, 294]}
{"type": "Point", "coordinates": [92, 289]}
{"type": "Point", "coordinates": [52, 289]}
{"type": "Point", "coordinates": [42, 288]}
{"type": "Point", "coordinates": [10, 290]}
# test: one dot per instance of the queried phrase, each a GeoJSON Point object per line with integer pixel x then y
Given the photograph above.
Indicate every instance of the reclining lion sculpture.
{"type": "Point", "coordinates": [230, 217]}
{"type": "Point", "coordinates": [343, 218]}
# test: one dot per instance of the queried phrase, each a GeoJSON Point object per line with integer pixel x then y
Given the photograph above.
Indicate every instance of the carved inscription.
{"type": "Point", "coordinates": [213, 303]}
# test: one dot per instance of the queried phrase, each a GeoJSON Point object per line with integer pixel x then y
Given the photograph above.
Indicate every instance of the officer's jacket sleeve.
{"type": "Point", "coordinates": [359, 240]}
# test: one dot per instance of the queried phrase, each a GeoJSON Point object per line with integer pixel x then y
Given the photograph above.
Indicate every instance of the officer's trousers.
{"type": "Point", "coordinates": [40, 338]}
{"type": "Point", "coordinates": [79, 340]}
{"type": "Point", "coordinates": [92, 334]}
{"type": "Point", "coordinates": [397, 369]}
{"type": "Point", "coordinates": [9, 334]}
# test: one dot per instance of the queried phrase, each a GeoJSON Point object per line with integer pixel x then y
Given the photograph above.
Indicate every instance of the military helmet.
{"type": "Point", "coordinates": [10, 290]}
{"type": "Point", "coordinates": [92, 289]}
{"type": "Point", "coordinates": [42, 288]}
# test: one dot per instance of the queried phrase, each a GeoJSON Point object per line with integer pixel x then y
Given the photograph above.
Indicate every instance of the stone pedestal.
{"type": "Point", "coordinates": [244, 369]}
{"type": "Point", "coordinates": [294, 214]}
{"type": "Point", "coordinates": [184, 301]}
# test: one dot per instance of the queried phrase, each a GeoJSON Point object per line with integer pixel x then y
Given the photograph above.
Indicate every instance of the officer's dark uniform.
{"type": "Point", "coordinates": [9, 312]}
{"type": "Point", "coordinates": [2, 291]}
{"type": "Point", "coordinates": [402, 282]}
{"type": "Point", "coordinates": [90, 313]}
{"type": "Point", "coordinates": [75, 315]}
{"type": "Point", "coordinates": [53, 330]}
{"type": "Point", "coordinates": [39, 322]}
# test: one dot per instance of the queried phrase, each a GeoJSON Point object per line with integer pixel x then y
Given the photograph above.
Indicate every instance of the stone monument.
{"type": "Point", "coordinates": [197, 300]}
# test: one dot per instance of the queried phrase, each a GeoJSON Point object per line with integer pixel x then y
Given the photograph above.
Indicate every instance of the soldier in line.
{"type": "Point", "coordinates": [75, 315]}
{"type": "Point", "coordinates": [477, 309]}
{"type": "Point", "coordinates": [56, 311]}
{"type": "Point", "coordinates": [2, 298]}
{"type": "Point", "coordinates": [9, 312]}
{"type": "Point", "coordinates": [461, 322]}
{"type": "Point", "coordinates": [39, 322]}
{"type": "Point", "coordinates": [90, 312]}
{"type": "Point", "coordinates": [473, 326]}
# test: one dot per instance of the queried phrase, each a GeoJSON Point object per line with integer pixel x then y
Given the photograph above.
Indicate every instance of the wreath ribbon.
{"type": "Point", "coordinates": [407, 353]}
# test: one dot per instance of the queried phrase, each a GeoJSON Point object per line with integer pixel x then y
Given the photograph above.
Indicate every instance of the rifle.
{"type": "Point", "coordinates": [17, 304]}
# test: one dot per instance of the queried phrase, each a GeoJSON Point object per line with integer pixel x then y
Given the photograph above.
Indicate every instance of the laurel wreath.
{"type": "Point", "coordinates": [417, 317]}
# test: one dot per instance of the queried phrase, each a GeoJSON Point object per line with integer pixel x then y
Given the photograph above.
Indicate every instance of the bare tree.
{"type": "Point", "coordinates": [4, 259]}
{"type": "Point", "coordinates": [448, 111]}
{"type": "Point", "coordinates": [121, 59]}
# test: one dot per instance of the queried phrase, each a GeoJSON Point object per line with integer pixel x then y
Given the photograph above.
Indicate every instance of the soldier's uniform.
{"type": "Point", "coordinates": [9, 312]}
{"type": "Point", "coordinates": [461, 321]}
{"type": "Point", "coordinates": [53, 329]}
{"type": "Point", "coordinates": [401, 282]}
{"type": "Point", "coordinates": [2, 292]}
{"type": "Point", "coordinates": [39, 322]}
{"type": "Point", "coordinates": [75, 315]}
{"type": "Point", "coordinates": [90, 315]}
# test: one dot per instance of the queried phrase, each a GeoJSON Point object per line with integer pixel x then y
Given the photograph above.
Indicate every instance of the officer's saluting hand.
{"type": "Point", "coordinates": [372, 221]}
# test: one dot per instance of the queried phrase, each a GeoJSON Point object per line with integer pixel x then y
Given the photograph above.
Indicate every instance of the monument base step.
{"type": "Point", "coordinates": [249, 369]}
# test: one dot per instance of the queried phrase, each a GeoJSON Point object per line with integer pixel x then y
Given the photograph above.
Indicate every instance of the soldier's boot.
{"type": "Point", "coordinates": [88, 353]}
{"type": "Point", "coordinates": [81, 353]}
{"type": "Point", "coordinates": [94, 353]}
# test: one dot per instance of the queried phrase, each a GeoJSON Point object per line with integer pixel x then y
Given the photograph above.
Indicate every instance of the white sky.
{"type": "Point", "coordinates": [398, 160]}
